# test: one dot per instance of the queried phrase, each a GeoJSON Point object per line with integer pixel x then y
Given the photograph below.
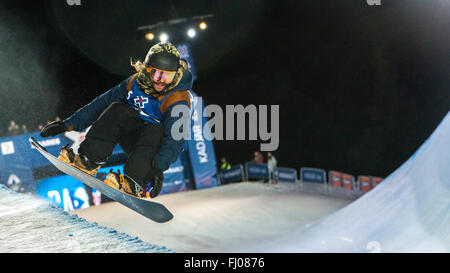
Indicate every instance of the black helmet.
{"type": "Point", "coordinates": [163, 56]}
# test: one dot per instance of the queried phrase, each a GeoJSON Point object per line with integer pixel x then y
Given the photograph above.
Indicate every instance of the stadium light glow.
{"type": "Point", "coordinates": [202, 25]}
{"type": "Point", "coordinates": [163, 37]}
{"type": "Point", "coordinates": [149, 36]}
{"type": "Point", "coordinates": [191, 33]}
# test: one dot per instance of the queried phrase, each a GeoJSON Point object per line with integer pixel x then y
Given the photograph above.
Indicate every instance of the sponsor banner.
{"type": "Point", "coordinates": [335, 179]}
{"type": "Point", "coordinates": [64, 191]}
{"type": "Point", "coordinates": [348, 181]}
{"type": "Point", "coordinates": [285, 175]}
{"type": "Point", "coordinates": [185, 53]}
{"type": "Point", "coordinates": [18, 150]}
{"type": "Point", "coordinates": [367, 182]}
{"type": "Point", "coordinates": [313, 175]}
{"type": "Point", "coordinates": [234, 174]}
{"type": "Point", "coordinates": [187, 172]}
{"type": "Point", "coordinates": [375, 181]}
{"type": "Point", "coordinates": [256, 171]}
{"type": "Point", "coordinates": [201, 149]}
{"type": "Point", "coordinates": [18, 158]}
{"type": "Point", "coordinates": [174, 179]}
{"type": "Point", "coordinates": [364, 183]}
{"type": "Point", "coordinates": [17, 177]}
{"type": "Point", "coordinates": [342, 180]}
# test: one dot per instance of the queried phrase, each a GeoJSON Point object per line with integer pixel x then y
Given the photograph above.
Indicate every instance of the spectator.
{"type": "Point", "coordinates": [258, 158]}
{"type": "Point", "coordinates": [224, 166]}
{"type": "Point", "coordinates": [271, 164]}
{"type": "Point", "coordinates": [13, 128]}
{"type": "Point", "coordinates": [24, 129]}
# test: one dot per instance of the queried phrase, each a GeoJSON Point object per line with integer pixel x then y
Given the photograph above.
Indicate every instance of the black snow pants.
{"type": "Point", "coordinates": [120, 124]}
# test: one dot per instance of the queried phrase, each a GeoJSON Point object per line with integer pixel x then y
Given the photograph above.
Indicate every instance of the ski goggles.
{"type": "Point", "coordinates": [158, 75]}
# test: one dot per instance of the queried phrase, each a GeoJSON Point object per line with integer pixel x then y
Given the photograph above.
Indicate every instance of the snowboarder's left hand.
{"type": "Point", "coordinates": [53, 129]}
{"type": "Point", "coordinates": [157, 178]}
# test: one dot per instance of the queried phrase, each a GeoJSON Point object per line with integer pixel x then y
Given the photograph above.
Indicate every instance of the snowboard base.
{"type": "Point", "coordinates": [152, 210]}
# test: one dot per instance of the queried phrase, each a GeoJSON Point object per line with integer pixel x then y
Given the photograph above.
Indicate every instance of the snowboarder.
{"type": "Point", "coordinates": [136, 114]}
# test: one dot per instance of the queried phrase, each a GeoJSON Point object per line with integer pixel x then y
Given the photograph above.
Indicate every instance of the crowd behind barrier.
{"type": "Point", "coordinates": [312, 180]}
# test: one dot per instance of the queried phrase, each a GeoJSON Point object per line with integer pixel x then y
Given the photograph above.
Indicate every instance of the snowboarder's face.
{"type": "Point", "coordinates": [159, 86]}
{"type": "Point", "coordinates": [160, 78]}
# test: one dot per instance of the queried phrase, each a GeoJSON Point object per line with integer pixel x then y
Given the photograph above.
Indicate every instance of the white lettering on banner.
{"type": "Point", "coordinates": [67, 201]}
{"type": "Point", "coordinates": [48, 142]}
{"type": "Point", "coordinates": [200, 145]}
{"type": "Point", "coordinates": [197, 132]}
{"type": "Point", "coordinates": [232, 173]}
{"type": "Point", "coordinates": [82, 195]}
{"type": "Point", "coordinates": [201, 150]}
{"type": "Point", "coordinates": [284, 175]}
{"type": "Point", "coordinates": [257, 170]}
{"type": "Point", "coordinates": [55, 196]}
{"type": "Point", "coordinates": [174, 169]}
{"type": "Point", "coordinates": [313, 176]}
{"type": "Point", "coordinates": [14, 182]}
{"type": "Point", "coordinates": [7, 147]}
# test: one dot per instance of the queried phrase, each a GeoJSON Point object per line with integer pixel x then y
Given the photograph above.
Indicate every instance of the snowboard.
{"type": "Point", "coordinates": [152, 210]}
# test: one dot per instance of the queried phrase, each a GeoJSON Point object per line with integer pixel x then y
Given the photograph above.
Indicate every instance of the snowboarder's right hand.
{"type": "Point", "coordinates": [53, 129]}
{"type": "Point", "coordinates": [157, 178]}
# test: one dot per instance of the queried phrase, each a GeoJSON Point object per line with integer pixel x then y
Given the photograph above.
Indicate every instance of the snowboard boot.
{"type": "Point", "coordinates": [123, 183]}
{"type": "Point", "coordinates": [78, 160]}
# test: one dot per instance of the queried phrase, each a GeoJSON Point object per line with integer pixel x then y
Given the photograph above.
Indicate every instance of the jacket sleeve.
{"type": "Point", "coordinates": [170, 149]}
{"type": "Point", "coordinates": [86, 115]}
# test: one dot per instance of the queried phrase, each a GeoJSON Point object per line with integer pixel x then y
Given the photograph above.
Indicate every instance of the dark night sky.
{"type": "Point", "coordinates": [360, 87]}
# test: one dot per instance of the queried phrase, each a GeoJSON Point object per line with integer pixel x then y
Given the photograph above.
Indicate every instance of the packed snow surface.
{"type": "Point", "coordinates": [221, 219]}
{"type": "Point", "coordinates": [28, 224]}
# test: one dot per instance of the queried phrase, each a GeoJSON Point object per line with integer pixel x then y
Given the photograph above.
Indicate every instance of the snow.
{"type": "Point", "coordinates": [28, 224]}
{"type": "Point", "coordinates": [221, 219]}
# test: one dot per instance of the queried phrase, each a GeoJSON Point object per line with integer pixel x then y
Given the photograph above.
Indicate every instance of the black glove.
{"type": "Point", "coordinates": [53, 129]}
{"type": "Point", "coordinates": [156, 179]}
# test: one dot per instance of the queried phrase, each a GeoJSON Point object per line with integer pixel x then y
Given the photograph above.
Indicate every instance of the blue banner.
{"type": "Point", "coordinates": [200, 148]}
{"type": "Point", "coordinates": [185, 53]}
{"type": "Point", "coordinates": [234, 174]}
{"type": "Point", "coordinates": [174, 179]}
{"type": "Point", "coordinates": [285, 175]}
{"type": "Point", "coordinates": [64, 191]}
{"type": "Point", "coordinates": [256, 171]}
{"type": "Point", "coordinates": [18, 159]}
{"type": "Point", "coordinates": [313, 175]}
